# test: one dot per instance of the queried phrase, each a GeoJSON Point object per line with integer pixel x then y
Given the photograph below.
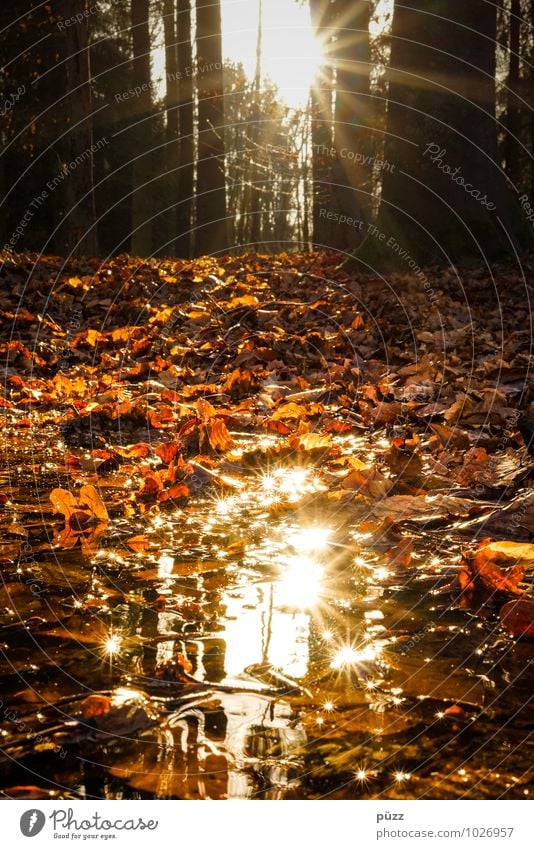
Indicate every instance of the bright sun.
{"type": "Point", "coordinates": [291, 54]}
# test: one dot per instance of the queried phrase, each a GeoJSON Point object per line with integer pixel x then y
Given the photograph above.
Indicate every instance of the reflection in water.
{"type": "Point", "coordinates": [300, 582]}
{"type": "Point", "coordinates": [257, 630]}
{"type": "Point", "coordinates": [308, 539]}
{"type": "Point", "coordinates": [351, 655]}
{"type": "Point", "coordinates": [280, 651]}
{"type": "Point", "coordinates": [112, 645]}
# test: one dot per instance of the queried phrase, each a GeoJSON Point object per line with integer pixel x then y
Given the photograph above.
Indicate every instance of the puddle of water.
{"type": "Point", "coordinates": [321, 668]}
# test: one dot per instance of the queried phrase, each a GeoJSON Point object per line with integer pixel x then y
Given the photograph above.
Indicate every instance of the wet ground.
{"type": "Point", "coordinates": [258, 645]}
{"type": "Point", "coordinates": [234, 498]}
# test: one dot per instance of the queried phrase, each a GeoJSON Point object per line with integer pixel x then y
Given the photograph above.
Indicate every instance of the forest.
{"type": "Point", "coordinates": [267, 413]}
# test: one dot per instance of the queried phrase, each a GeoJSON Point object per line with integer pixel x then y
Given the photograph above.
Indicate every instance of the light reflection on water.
{"type": "Point", "coordinates": [289, 584]}
{"type": "Point", "coordinates": [258, 631]}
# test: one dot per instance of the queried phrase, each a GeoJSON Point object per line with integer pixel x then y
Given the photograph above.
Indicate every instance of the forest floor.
{"type": "Point", "coordinates": [265, 530]}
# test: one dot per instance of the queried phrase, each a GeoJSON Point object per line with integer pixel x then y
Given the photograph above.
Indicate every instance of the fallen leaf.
{"type": "Point", "coordinates": [518, 617]}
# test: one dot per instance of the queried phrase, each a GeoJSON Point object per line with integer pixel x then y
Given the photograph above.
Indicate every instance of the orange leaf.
{"type": "Point", "coordinates": [152, 484]}
{"type": "Point", "coordinates": [95, 706]}
{"type": "Point", "coordinates": [63, 502]}
{"type": "Point", "coordinates": [179, 490]}
{"type": "Point", "coordinates": [289, 411]}
{"type": "Point", "coordinates": [278, 427]}
{"type": "Point", "coordinates": [140, 449]}
{"type": "Point", "coordinates": [139, 543]}
{"type": "Point", "coordinates": [311, 441]}
{"type": "Point", "coordinates": [186, 664]}
{"type": "Point", "coordinates": [90, 497]}
{"type": "Point", "coordinates": [167, 451]}
{"type": "Point", "coordinates": [205, 410]}
{"type": "Point", "coordinates": [218, 435]}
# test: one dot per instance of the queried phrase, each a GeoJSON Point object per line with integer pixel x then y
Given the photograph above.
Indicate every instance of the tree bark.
{"type": "Point", "coordinates": [531, 80]}
{"type": "Point", "coordinates": [322, 129]}
{"type": "Point", "coordinates": [80, 215]}
{"type": "Point", "coordinates": [186, 175]}
{"type": "Point", "coordinates": [142, 170]}
{"type": "Point", "coordinates": [172, 150]}
{"type": "Point", "coordinates": [352, 179]}
{"type": "Point", "coordinates": [512, 146]}
{"type": "Point", "coordinates": [255, 183]}
{"type": "Point", "coordinates": [211, 224]}
{"type": "Point", "coordinates": [444, 195]}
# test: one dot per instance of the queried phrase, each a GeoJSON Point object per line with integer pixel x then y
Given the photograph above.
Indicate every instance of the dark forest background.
{"type": "Point", "coordinates": [97, 159]}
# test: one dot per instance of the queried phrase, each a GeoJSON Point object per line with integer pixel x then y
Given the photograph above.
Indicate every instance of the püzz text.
{"type": "Point", "coordinates": [389, 815]}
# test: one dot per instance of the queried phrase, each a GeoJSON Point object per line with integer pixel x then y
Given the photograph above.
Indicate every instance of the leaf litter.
{"type": "Point", "coordinates": [266, 531]}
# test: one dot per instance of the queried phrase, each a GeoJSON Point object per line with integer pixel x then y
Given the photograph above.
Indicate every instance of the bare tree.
{"type": "Point", "coordinates": [79, 186]}
{"type": "Point", "coordinates": [141, 156]}
{"type": "Point", "coordinates": [211, 224]}
{"type": "Point", "coordinates": [444, 194]}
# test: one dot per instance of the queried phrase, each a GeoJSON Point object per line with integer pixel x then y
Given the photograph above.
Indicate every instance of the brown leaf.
{"type": "Point", "coordinates": [78, 520]}
{"type": "Point", "coordinates": [518, 617]}
{"type": "Point", "coordinates": [401, 555]}
{"type": "Point", "coordinates": [492, 567]}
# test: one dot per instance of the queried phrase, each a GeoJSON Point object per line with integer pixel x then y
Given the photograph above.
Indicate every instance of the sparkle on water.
{"type": "Point", "coordinates": [287, 586]}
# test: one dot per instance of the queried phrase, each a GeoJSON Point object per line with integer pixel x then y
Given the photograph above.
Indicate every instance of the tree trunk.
{"type": "Point", "coordinates": [251, 210]}
{"type": "Point", "coordinates": [186, 173]}
{"type": "Point", "coordinates": [142, 172]}
{"type": "Point", "coordinates": [172, 151]}
{"type": "Point", "coordinates": [352, 171]}
{"type": "Point", "coordinates": [531, 80]}
{"type": "Point", "coordinates": [211, 223]}
{"type": "Point", "coordinates": [321, 131]}
{"type": "Point", "coordinates": [512, 146]}
{"type": "Point", "coordinates": [255, 201]}
{"type": "Point", "coordinates": [80, 215]}
{"type": "Point", "coordinates": [444, 195]}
